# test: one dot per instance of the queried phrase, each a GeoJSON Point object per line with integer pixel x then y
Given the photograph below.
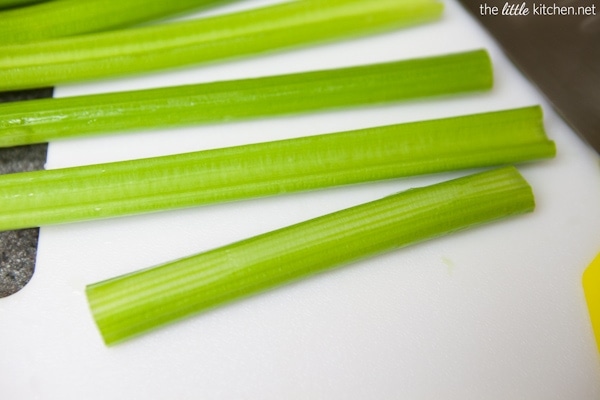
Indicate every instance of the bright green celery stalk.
{"type": "Point", "coordinates": [72, 17]}
{"type": "Point", "coordinates": [105, 190]}
{"type": "Point", "coordinates": [135, 303]}
{"type": "Point", "coordinates": [49, 119]}
{"type": "Point", "coordinates": [169, 45]}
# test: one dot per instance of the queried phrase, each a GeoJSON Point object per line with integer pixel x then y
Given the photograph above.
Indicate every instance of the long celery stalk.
{"type": "Point", "coordinates": [135, 303]}
{"type": "Point", "coordinates": [262, 169]}
{"type": "Point", "coordinates": [50, 119]}
{"type": "Point", "coordinates": [169, 45]}
{"type": "Point", "coordinates": [71, 17]}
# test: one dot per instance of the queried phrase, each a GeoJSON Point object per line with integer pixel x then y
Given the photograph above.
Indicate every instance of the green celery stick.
{"type": "Point", "coordinates": [72, 17]}
{"type": "Point", "coordinates": [50, 119]}
{"type": "Point", "coordinates": [135, 303]}
{"type": "Point", "coordinates": [151, 48]}
{"type": "Point", "coordinates": [105, 190]}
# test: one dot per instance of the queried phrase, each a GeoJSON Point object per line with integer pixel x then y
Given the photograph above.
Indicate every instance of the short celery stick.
{"type": "Point", "coordinates": [106, 190]}
{"type": "Point", "coordinates": [132, 304]}
{"type": "Point", "coordinates": [72, 17]}
{"type": "Point", "coordinates": [51, 119]}
{"type": "Point", "coordinates": [215, 38]}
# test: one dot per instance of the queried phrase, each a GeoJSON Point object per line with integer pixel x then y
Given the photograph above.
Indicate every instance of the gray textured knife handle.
{"type": "Point", "coordinates": [18, 249]}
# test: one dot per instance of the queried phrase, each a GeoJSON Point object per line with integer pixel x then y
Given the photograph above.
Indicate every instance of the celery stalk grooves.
{"type": "Point", "coordinates": [135, 303]}
{"type": "Point", "coordinates": [151, 48]}
{"type": "Point", "coordinates": [49, 119]}
{"type": "Point", "coordinates": [105, 190]}
{"type": "Point", "coordinates": [71, 17]}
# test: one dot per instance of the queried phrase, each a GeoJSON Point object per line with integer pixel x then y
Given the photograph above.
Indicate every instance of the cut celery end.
{"type": "Point", "coordinates": [130, 305]}
{"type": "Point", "coordinates": [183, 180]}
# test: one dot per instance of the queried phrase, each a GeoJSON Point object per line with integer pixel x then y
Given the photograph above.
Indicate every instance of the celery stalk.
{"type": "Point", "coordinates": [135, 303]}
{"type": "Point", "coordinates": [169, 45]}
{"type": "Point", "coordinates": [136, 186]}
{"type": "Point", "coordinates": [50, 119]}
{"type": "Point", "coordinates": [71, 17]}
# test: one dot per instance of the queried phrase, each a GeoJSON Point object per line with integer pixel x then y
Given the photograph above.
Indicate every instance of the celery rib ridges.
{"type": "Point", "coordinates": [50, 119]}
{"type": "Point", "coordinates": [130, 305]}
{"type": "Point", "coordinates": [72, 17]}
{"type": "Point", "coordinates": [106, 190]}
{"type": "Point", "coordinates": [106, 54]}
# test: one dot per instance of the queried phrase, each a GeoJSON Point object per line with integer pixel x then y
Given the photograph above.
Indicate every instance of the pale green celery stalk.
{"type": "Point", "coordinates": [135, 303]}
{"type": "Point", "coordinates": [50, 119]}
{"type": "Point", "coordinates": [106, 190]}
{"type": "Point", "coordinates": [215, 38]}
{"type": "Point", "coordinates": [72, 17]}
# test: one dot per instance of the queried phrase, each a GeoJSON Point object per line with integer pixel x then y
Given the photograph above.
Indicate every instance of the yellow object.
{"type": "Point", "coordinates": [591, 286]}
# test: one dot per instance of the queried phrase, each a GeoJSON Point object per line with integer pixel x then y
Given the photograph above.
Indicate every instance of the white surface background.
{"type": "Point", "coordinates": [493, 313]}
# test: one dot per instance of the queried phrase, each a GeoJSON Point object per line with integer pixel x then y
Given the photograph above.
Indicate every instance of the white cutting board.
{"type": "Point", "coordinates": [493, 313]}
